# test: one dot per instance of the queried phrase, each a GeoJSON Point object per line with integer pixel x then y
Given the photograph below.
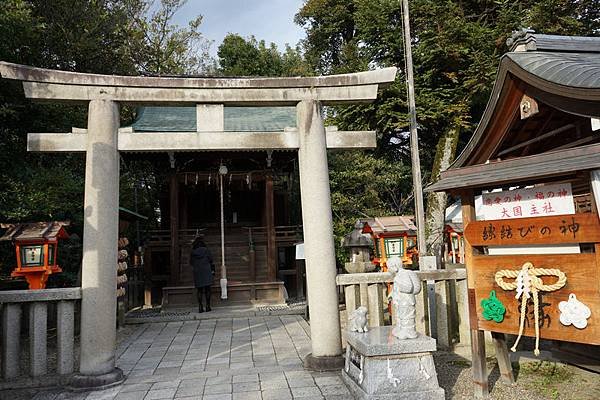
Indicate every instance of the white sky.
{"type": "Point", "coordinates": [269, 20]}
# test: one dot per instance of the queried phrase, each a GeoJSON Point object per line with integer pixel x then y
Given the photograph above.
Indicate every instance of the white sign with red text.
{"type": "Point", "coordinates": [540, 201]}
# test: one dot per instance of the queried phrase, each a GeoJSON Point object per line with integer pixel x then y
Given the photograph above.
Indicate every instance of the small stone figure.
{"type": "Point", "coordinates": [358, 320]}
{"type": "Point", "coordinates": [406, 286]}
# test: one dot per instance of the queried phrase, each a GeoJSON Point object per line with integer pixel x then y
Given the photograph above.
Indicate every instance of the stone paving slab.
{"type": "Point", "coordinates": [232, 358]}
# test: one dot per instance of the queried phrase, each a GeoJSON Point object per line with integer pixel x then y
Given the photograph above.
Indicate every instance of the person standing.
{"type": "Point", "coordinates": [204, 270]}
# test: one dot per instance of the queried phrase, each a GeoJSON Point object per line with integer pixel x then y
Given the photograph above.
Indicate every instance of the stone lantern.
{"type": "Point", "coordinates": [359, 245]}
{"type": "Point", "coordinates": [36, 246]}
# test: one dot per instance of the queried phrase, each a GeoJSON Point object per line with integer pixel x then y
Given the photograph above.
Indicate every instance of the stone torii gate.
{"type": "Point", "coordinates": [103, 140]}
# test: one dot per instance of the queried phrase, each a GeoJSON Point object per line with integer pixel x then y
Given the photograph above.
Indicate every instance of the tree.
{"type": "Point", "coordinates": [456, 46]}
{"type": "Point", "coordinates": [96, 36]}
{"type": "Point", "coordinates": [250, 57]}
{"type": "Point", "coordinates": [84, 36]}
{"type": "Point", "coordinates": [158, 46]}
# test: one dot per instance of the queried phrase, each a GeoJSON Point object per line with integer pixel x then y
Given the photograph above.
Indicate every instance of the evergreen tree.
{"type": "Point", "coordinates": [456, 48]}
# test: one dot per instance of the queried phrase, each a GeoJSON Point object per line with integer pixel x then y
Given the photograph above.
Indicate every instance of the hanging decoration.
{"type": "Point", "coordinates": [574, 312]}
{"type": "Point", "coordinates": [493, 309]}
{"type": "Point", "coordinates": [222, 172]}
{"type": "Point", "coordinates": [528, 284]}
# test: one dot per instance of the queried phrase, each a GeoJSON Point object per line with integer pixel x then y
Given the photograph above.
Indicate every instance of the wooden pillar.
{"type": "Point", "coordinates": [504, 365]}
{"type": "Point", "coordinates": [251, 256]}
{"type": "Point", "coordinates": [480, 380]}
{"type": "Point", "coordinates": [184, 209]}
{"type": "Point", "coordinates": [147, 277]}
{"type": "Point", "coordinates": [300, 279]}
{"type": "Point", "coordinates": [270, 223]}
{"type": "Point", "coordinates": [174, 227]}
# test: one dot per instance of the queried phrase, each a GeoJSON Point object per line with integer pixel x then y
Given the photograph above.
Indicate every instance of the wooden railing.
{"type": "Point", "coordinates": [134, 292]}
{"type": "Point", "coordinates": [35, 304]}
{"type": "Point", "coordinates": [449, 326]}
{"type": "Point", "coordinates": [283, 234]}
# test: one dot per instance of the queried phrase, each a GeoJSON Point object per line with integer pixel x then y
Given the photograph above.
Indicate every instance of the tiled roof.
{"type": "Point", "coordinates": [576, 70]}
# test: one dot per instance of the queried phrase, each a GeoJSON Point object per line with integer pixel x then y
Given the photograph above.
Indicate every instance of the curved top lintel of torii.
{"type": "Point", "coordinates": [47, 84]}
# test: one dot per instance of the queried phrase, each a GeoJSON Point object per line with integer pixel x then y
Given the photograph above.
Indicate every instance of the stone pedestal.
{"type": "Point", "coordinates": [379, 366]}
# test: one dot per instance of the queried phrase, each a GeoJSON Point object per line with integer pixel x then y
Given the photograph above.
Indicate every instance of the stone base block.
{"type": "Point", "coordinates": [333, 363]}
{"type": "Point", "coordinates": [80, 382]}
{"type": "Point", "coordinates": [359, 393]}
{"type": "Point", "coordinates": [379, 366]}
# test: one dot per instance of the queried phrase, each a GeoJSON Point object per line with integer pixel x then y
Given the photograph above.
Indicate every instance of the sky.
{"type": "Point", "coordinates": [269, 20]}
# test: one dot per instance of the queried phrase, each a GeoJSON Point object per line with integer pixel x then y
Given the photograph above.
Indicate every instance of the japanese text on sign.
{"type": "Point", "coordinates": [541, 201]}
{"type": "Point", "coordinates": [566, 227]}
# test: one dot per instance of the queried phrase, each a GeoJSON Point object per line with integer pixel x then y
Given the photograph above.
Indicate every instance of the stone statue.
{"type": "Point", "coordinates": [358, 320]}
{"type": "Point", "coordinates": [406, 286]}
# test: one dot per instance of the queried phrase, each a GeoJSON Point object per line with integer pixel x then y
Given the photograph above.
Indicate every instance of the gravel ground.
{"type": "Point", "coordinates": [534, 380]}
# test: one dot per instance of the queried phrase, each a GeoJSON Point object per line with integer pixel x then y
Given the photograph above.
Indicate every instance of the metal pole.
{"type": "Point", "coordinates": [414, 138]}
{"type": "Point", "coordinates": [223, 282]}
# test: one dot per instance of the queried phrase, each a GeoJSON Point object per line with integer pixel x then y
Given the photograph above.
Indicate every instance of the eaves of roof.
{"type": "Point", "coordinates": [567, 75]}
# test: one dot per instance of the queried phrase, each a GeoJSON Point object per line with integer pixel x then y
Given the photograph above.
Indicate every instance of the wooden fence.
{"type": "Point", "coordinates": [449, 325]}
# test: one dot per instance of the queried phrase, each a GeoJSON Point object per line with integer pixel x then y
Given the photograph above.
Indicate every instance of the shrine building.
{"type": "Point", "coordinates": [261, 210]}
{"type": "Point", "coordinates": [250, 165]}
{"type": "Point", "coordinates": [534, 160]}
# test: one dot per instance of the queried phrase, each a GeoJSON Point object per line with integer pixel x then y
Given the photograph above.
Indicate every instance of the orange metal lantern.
{"type": "Point", "coordinates": [36, 247]}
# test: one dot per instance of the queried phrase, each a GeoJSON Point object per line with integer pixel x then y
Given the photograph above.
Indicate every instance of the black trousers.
{"type": "Point", "coordinates": [203, 293]}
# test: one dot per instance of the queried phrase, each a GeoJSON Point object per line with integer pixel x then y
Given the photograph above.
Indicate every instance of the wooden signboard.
{"type": "Point", "coordinates": [575, 228]}
{"type": "Point", "coordinates": [582, 272]}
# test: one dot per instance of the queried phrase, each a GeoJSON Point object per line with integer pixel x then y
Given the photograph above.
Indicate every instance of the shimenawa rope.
{"type": "Point", "coordinates": [528, 279]}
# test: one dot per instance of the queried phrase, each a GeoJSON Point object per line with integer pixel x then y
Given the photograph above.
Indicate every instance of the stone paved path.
{"type": "Point", "coordinates": [220, 359]}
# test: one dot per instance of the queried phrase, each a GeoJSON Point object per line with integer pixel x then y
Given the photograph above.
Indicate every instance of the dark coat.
{"type": "Point", "coordinates": [202, 264]}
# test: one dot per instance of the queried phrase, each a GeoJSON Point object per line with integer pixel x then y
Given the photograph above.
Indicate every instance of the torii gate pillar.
{"type": "Point", "coordinates": [103, 141]}
{"type": "Point", "coordinates": [100, 235]}
{"type": "Point", "coordinates": [318, 239]}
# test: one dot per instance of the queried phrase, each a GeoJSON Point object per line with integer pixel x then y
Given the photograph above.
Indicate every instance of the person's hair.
{"type": "Point", "coordinates": [198, 242]}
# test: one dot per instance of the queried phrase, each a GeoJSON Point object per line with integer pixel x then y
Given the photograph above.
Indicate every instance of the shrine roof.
{"type": "Point", "coordinates": [392, 224]}
{"type": "Point", "coordinates": [563, 73]}
{"type": "Point", "coordinates": [574, 70]}
{"type": "Point", "coordinates": [35, 230]}
{"type": "Point", "coordinates": [236, 119]}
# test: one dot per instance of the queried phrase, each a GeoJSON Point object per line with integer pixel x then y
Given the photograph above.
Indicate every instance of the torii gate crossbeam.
{"type": "Point", "coordinates": [103, 141]}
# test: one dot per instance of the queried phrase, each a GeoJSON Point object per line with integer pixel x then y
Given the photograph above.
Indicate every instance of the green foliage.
{"type": "Point", "coordinates": [157, 46]}
{"type": "Point", "coordinates": [456, 47]}
{"type": "Point", "coordinates": [364, 185]}
{"type": "Point", "coordinates": [546, 377]}
{"type": "Point", "coordinates": [97, 36]}
{"type": "Point", "coordinates": [249, 57]}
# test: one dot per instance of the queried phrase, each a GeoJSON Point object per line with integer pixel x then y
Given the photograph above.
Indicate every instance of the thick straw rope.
{"type": "Point", "coordinates": [536, 285]}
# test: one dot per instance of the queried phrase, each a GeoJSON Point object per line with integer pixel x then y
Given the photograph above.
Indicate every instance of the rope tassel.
{"type": "Point", "coordinates": [528, 284]}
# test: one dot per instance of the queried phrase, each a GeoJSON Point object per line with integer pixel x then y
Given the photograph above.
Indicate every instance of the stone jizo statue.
{"type": "Point", "coordinates": [358, 320]}
{"type": "Point", "coordinates": [406, 286]}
